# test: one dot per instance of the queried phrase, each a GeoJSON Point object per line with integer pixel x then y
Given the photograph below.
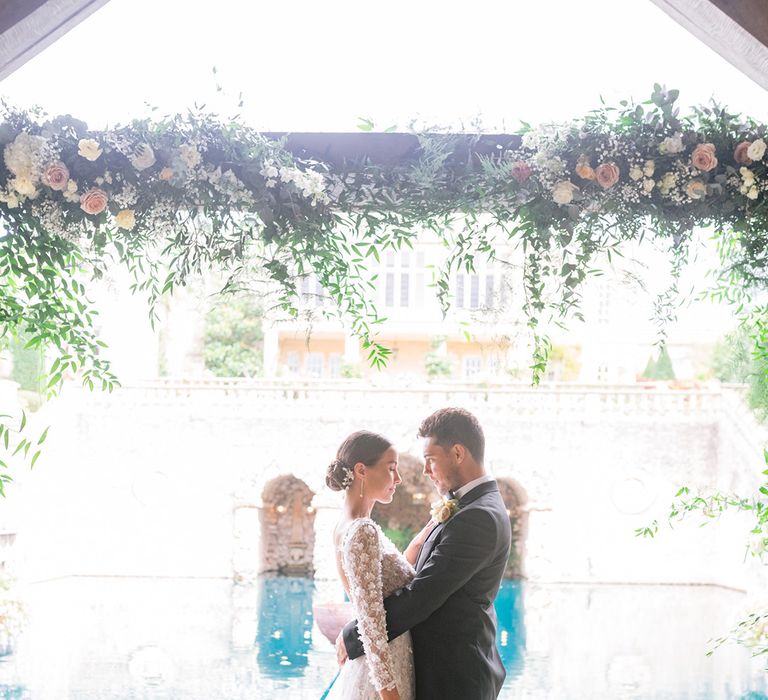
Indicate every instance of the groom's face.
{"type": "Point", "coordinates": [440, 466]}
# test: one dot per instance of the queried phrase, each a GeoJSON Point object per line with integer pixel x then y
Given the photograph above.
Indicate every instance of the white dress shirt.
{"type": "Point", "coordinates": [464, 490]}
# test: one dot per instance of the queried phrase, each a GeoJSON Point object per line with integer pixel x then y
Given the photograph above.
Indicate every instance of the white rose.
{"type": "Point", "coordinates": [648, 185]}
{"type": "Point", "coordinates": [143, 157]}
{"type": "Point", "coordinates": [756, 150]}
{"type": "Point", "coordinates": [635, 173]}
{"type": "Point", "coordinates": [189, 155]}
{"type": "Point", "coordinates": [564, 191]}
{"type": "Point", "coordinates": [89, 149]}
{"type": "Point", "coordinates": [672, 144]}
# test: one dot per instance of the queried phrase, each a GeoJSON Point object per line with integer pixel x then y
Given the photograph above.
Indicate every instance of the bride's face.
{"type": "Point", "coordinates": [382, 478]}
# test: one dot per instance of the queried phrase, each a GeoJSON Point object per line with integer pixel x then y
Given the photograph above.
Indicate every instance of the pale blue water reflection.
{"type": "Point", "coordinates": [187, 639]}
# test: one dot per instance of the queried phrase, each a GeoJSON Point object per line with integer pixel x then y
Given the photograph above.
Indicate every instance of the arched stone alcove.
{"type": "Point", "coordinates": [515, 499]}
{"type": "Point", "coordinates": [287, 526]}
{"type": "Point", "coordinates": [409, 510]}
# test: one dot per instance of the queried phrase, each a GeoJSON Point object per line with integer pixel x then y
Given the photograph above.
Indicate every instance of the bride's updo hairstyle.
{"type": "Point", "coordinates": [362, 446]}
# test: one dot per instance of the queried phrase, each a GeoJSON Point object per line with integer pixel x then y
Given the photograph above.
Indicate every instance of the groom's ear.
{"type": "Point", "coordinates": [459, 452]}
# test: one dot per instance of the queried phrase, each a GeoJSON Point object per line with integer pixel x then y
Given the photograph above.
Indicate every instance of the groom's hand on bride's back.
{"type": "Point", "coordinates": [341, 650]}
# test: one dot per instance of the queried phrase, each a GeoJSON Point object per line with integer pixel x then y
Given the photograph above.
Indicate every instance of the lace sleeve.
{"type": "Point", "coordinates": [362, 565]}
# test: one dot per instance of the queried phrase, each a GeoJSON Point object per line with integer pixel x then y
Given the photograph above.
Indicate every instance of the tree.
{"type": "Point", "coordinates": [233, 342]}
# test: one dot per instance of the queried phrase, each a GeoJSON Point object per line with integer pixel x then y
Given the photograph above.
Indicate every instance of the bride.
{"type": "Point", "coordinates": [371, 568]}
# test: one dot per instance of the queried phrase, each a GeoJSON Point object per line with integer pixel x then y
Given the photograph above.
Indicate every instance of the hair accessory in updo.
{"type": "Point", "coordinates": [349, 475]}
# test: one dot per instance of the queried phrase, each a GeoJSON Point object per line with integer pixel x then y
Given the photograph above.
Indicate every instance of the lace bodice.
{"type": "Point", "coordinates": [374, 569]}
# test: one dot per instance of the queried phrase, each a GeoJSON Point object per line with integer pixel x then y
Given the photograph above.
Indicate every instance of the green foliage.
{"type": "Point", "coordinates": [661, 368]}
{"type": "Point", "coordinates": [401, 537]}
{"type": "Point", "coordinates": [233, 338]}
{"type": "Point", "coordinates": [736, 359]}
{"type": "Point", "coordinates": [28, 365]}
{"type": "Point", "coordinates": [435, 363]}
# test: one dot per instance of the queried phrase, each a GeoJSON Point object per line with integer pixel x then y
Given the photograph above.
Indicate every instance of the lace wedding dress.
{"type": "Point", "coordinates": [374, 569]}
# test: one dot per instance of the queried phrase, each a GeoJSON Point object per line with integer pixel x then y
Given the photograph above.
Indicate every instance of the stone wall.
{"type": "Point", "coordinates": [167, 479]}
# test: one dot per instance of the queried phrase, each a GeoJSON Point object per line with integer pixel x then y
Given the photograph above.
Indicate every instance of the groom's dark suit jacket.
{"type": "Point", "coordinates": [449, 605]}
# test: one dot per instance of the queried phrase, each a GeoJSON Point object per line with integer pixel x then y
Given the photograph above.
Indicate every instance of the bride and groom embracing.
{"type": "Point", "coordinates": [426, 624]}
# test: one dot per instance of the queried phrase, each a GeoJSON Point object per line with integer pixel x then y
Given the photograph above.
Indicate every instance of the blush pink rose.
{"type": "Point", "coordinates": [55, 176]}
{"type": "Point", "coordinates": [520, 171]}
{"type": "Point", "coordinates": [607, 174]}
{"type": "Point", "coordinates": [94, 201]}
{"type": "Point", "coordinates": [703, 157]}
{"type": "Point", "coordinates": [740, 154]}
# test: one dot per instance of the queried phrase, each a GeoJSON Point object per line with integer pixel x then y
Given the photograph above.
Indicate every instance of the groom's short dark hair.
{"type": "Point", "coordinates": [452, 426]}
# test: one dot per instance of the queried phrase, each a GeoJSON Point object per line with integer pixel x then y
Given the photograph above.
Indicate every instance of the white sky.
{"type": "Point", "coordinates": [318, 66]}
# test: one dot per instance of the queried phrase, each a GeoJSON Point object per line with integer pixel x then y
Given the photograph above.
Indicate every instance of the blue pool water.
{"type": "Point", "coordinates": [193, 639]}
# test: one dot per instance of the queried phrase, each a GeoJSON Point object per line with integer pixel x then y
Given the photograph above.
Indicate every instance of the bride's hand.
{"type": "Point", "coordinates": [389, 694]}
{"type": "Point", "coordinates": [411, 552]}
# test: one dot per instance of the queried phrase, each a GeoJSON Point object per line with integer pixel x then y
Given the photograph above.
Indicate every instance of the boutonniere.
{"type": "Point", "coordinates": [444, 509]}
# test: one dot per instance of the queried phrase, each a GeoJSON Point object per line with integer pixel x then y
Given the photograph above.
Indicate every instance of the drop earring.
{"type": "Point", "coordinates": [362, 487]}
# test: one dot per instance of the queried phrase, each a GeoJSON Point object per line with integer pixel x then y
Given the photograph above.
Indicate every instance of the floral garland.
{"type": "Point", "coordinates": [172, 197]}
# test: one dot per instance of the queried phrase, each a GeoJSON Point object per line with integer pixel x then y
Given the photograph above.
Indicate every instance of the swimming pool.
{"type": "Point", "coordinates": [98, 638]}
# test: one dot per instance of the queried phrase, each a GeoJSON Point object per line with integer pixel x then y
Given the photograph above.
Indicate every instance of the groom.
{"type": "Point", "coordinates": [448, 607]}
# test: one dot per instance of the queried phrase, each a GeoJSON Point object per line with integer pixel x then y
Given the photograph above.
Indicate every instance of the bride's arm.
{"type": "Point", "coordinates": [362, 564]}
{"type": "Point", "coordinates": [411, 552]}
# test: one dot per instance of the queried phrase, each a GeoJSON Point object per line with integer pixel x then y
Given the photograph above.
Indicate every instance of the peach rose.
{"type": "Point", "coordinates": [166, 174]}
{"type": "Point", "coordinates": [125, 219]}
{"type": "Point", "coordinates": [696, 189]}
{"type": "Point", "coordinates": [55, 176]}
{"type": "Point", "coordinates": [520, 171]}
{"type": "Point", "coordinates": [94, 201]}
{"type": "Point", "coordinates": [740, 154]}
{"type": "Point", "coordinates": [607, 174]}
{"type": "Point", "coordinates": [584, 169]}
{"type": "Point", "coordinates": [703, 157]}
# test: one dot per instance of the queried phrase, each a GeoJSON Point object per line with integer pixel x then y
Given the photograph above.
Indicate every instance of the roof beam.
{"type": "Point", "coordinates": [29, 26]}
{"type": "Point", "coordinates": [735, 29]}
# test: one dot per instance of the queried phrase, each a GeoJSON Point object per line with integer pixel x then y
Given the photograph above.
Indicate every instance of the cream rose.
{"type": "Point", "coordinates": [740, 154]}
{"type": "Point", "coordinates": [696, 189]}
{"type": "Point", "coordinates": [607, 174]}
{"type": "Point", "coordinates": [55, 176]}
{"type": "Point", "coordinates": [564, 191]}
{"type": "Point", "coordinates": [126, 219]}
{"type": "Point", "coordinates": [143, 157]}
{"type": "Point", "coordinates": [752, 192]}
{"type": "Point", "coordinates": [89, 149]}
{"type": "Point", "coordinates": [94, 201]}
{"type": "Point", "coordinates": [649, 168]}
{"type": "Point", "coordinates": [703, 157]}
{"type": "Point", "coordinates": [24, 186]}
{"type": "Point", "coordinates": [648, 185]}
{"type": "Point", "coordinates": [189, 155]}
{"type": "Point", "coordinates": [756, 150]}
{"type": "Point", "coordinates": [636, 173]}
